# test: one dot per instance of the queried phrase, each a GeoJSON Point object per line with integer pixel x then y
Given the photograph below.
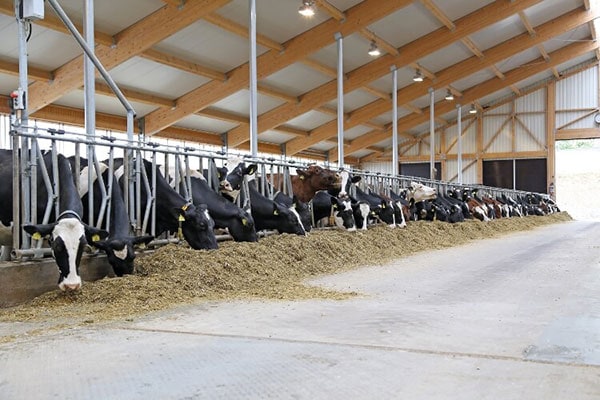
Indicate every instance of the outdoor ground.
{"type": "Point", "coordinates": [578, 182]}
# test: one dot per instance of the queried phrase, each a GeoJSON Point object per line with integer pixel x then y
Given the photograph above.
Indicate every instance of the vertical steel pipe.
{"type": "Point", "coordinates": [253, 85]}
{"type": "Point", "coordinates": [459, 159]}
{"type": "Point", "coordinates": [89, 87]}
{"type": "Point", "coordinates": [340, 98]}
{"type": "Point", "coordinates": [431, 134]}
{"type": "Point", "coordinates": [395, 163]}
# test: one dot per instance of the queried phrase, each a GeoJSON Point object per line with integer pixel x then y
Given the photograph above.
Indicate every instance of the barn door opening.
{"type": "Point", "coordinates": [578, 178]}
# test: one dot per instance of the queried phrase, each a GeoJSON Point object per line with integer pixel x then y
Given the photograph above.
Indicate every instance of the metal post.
{"type": "Point", "coordinates": [431, 134]}
{"type": "Point", "coordinates": [394, 120]}
{"type": "Point", "coordinates": [459, 178]}
{"type": "Point", "coordinates": [253, 85]}
{"type": "Point", "coordinates": [89, 85]}
{"type": "Point", "coordinates": [340, 98]}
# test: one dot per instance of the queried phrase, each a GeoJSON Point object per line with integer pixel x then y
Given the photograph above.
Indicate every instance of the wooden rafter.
{"type": "Point", "coordinates": [130, 42]}
{"type": "Point", "coordinates": [526, 23]}
{"type": "Point", "coordinates": [297, 48]}
{"type": "Point", "coordinates": [438, 13]}
{"type": "Point", "coordinates": [516, 75]}
{"type": "Point", "coordinates": [324, 69]}
{"type": "Point", "coordinates": [178, 63]}
{"type": "Point", "coordinates": [458, 71]}
{"type": "Point", "coordinates": [379, 67]}
{"type": "Point", "coordinates": [377, 93]}
{"type": "Point", "coordinates": [241, 30]}
{"type": "Point", "coordinates": [331, 10]}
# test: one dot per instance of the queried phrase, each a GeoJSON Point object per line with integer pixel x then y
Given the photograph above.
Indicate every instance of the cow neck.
{"type": "Point", "coordinates": [68, 214]}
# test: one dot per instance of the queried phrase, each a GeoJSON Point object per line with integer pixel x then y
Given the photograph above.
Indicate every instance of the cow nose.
{"type": "Point", "coordinates": [72, 286]}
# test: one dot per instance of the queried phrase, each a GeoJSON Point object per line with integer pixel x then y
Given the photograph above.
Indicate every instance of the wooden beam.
{"type": "Point", "coordinates": [223, 116]}
{"type": "Point", "coordinates": [242, 31]}
{"type": "Point", "coordinates": [438, 14]}
{"type": "Point", "coordinates": [497, 72]}
{"type": "Point", "coordinates": [526, 23]}
{"type": "Point", "coordinates": [380, 67]}
{"type": "Point", "coordinates": [357, 17]}
{"type": "Point", "coordinates": [130, 42]}
{"type": "Point", "coordinates": [472, 47]}
{"type": "Point", "coordinates": [178, 63]}
{"type": "Point", "coordinates": [278, 94]}
{"type": "Point", "coordinates": [377, 93]}
{"type": "Point", "coordinates": [331, 10]}
{"type": "Point", "coordinates": [381, 43]}
{"type": "Point", "coordinates": [12, 68]}
{"type": "Point", "coordinates": [134, 95]}
{"type": "Point", "coordinates": [290, 130]}
{"type": "Point", "coordinates": [481, 90]}
{"type": "Point", "coordinates": [430, 75]}
{"type": "Point", "coordinates": [580, 133]}
{"type": "Point", "coordinates": [317, 66]}
{"type": "Point", "coordinates": [543, 52]}
{"type": "Point", "coordinates": [459, 71]}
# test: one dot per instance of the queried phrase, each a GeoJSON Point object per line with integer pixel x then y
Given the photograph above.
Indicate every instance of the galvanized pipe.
{"type": "Point", "coordinates": [394, 120]}
{"type": "Point", "coordinates": [431, 134]}
{"type": "Point", "coordinates": [459, 145]}
{"type": "Point", "coordinates": [340, 98]}
{"type": "Point", "coordinates": [253, 84]}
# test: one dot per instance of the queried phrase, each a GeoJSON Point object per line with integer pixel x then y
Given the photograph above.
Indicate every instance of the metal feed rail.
{"type": "Point", "coordinates": [178, 161]}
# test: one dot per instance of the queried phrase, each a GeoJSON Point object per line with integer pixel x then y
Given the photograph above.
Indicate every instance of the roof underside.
{"type": "Point", "coordinates": [184, 65]}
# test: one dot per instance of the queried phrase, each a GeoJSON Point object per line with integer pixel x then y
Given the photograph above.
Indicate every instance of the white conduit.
{"type": "Point", "coordinates": [394, 120]}
{"type": "Point", "coordinates": [89, 86]}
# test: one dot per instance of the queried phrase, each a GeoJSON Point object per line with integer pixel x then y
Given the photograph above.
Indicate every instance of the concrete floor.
{"type": "Point", "coordinates": [510, 318]}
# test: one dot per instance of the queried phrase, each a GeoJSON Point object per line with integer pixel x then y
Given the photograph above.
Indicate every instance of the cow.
{"type": "Point", "coordinates": [476, 207]}
{"type": "Point", "coordinates": [227, 215]}
{"type": "Point", "coordinates": [327, 206]}
{"type": "Point", "coordinates": [309, 181]}
{"type": "Point", "coordinates": [231, 176]}
{"type": "Point", "coordinates": [67, 235]}
{"type": "Point", "coordinates": [268, 214]}
{"type": "Point", "coordinates": [303, 209]}
{"type": "Point", "coordinates": [119, 245]}
{"type": "Point", "coordinates": [174, 213]}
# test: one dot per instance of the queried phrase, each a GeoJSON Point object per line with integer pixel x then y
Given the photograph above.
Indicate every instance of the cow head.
{"type": "Point", "coordinates": [242, 228]}
{"type": "Point", "coordinates": [346, 181]}
{"type": "Point", "coordinates": [231, 176]}
{"type": "Point", "coordinates": [197, 226]}
{"type": "Point", "coordinates": [67, 237]}
{"type": "Point", "coordinates": [289, 220]}
{"type": "Point", "coordinates": [120, 252]}
{"type": "Point", "coordinates": [343, 213]}
{"type": "Point", "coordinates": [314, 178]}
{"type": "Point", "coordinates": [420, 192]}
{"type": "Point", "coordinates": [304, 213]}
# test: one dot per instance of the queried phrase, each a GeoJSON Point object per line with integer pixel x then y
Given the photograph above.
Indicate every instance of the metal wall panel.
{"type": "Point", "coordinates": [500, 142]}
{"type": "Point", "coordinates": [469, 139]}
{"type": "Point", "coordinates": [570, 120]}
{"type": "Point", "coordinates": [469, 174]}
{"type": "Point", "coordinates": [380, 166]}
{"type": "Point", "coordinates": [531, 136]}
{"type": "Point", "coordinates": [578, 91]}
{"type": "Point", "coordinates": [535, 101]}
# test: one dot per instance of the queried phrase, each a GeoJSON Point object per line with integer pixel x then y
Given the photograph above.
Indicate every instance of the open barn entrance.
{"type": "Point", "coordinates": [578, 178]}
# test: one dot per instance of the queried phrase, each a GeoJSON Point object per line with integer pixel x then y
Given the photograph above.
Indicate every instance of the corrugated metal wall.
{"type": "Point", "coordinates": [580, 94]}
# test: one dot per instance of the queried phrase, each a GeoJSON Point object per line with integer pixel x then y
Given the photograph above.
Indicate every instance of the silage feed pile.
{"type": "Point", "coordinates": [274, 268]}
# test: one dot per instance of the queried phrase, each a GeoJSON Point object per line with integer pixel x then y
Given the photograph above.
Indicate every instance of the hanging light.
{"type": "Point", "coordinates": [418, 76]}
{"type": "Point", "coordinates": [472, 110]}
{"type": "Point", "coordinates": [449, 95]}
{"type": "Point", "coordinates": [374, 50]}
{"type": "Point", "coordinates": [307, 9]}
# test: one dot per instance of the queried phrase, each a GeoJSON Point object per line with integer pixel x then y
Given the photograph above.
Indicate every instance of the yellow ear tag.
{"type": "Point", "coordinates": [335, 206]}
{"type": "Point", "coordinates": [95, 237]}
{"type": "Point", "coordinates": [244, 221]}
{"type": "Point", "coordinates": [301, 176]}
{"type": "Point", "coordinates": [184, 207]}
{"type": "Point", "coordinates": [36, 236]}
{"type": "Point", "coordinates": [181, 218]}
{"type": "Point", "coordinates": [275, 212]}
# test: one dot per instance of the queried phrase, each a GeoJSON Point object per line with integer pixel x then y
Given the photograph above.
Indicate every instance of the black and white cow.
{"type": "Point", "coordinates": [174, 212]}
{"type": "Point", "coordinates": [325, 205]}
{"type": "Point", "coordinates": [303, 209]}
{"type": "Point", "coordinates": [67, 235]}
{"type": "Point", "coordinates": [268, 214]}
{"type": "Point", "coordinates": [120, 244]}
{"type": "Point", "coordinates": [238, 221]}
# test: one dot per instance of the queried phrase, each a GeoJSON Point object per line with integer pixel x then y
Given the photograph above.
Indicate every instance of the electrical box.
{"type": "Point", "coordinates": [32, 9]}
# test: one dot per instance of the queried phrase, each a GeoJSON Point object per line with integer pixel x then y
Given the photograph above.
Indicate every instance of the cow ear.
{"type": "Point", "coordinates": [276, 208]}
{"type": "Point", "coordinates": [101, 244]}
{"type": "Point", "coordinates": [93, 234]}
{"type": "Point", "coordinates": [301, 173]}
{"type": "Point", "coordinates": [355, 179]}
{"type": "Point", "coordinates": [251, 169]}
{"type": "Point", "coordinates": [40, 230]}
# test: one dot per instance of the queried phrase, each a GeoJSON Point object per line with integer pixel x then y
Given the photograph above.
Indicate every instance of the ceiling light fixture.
{"type": "Point", "coordinates": [307, 9]}
{"type": "Point", "coordinates": [449, 95]}
{"type": "Point", "coordinates": [473, 110]}
{"type": "Point", "coordinates": [418, 76]}
{"type": "Point", "coordinates": [374, 50]}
